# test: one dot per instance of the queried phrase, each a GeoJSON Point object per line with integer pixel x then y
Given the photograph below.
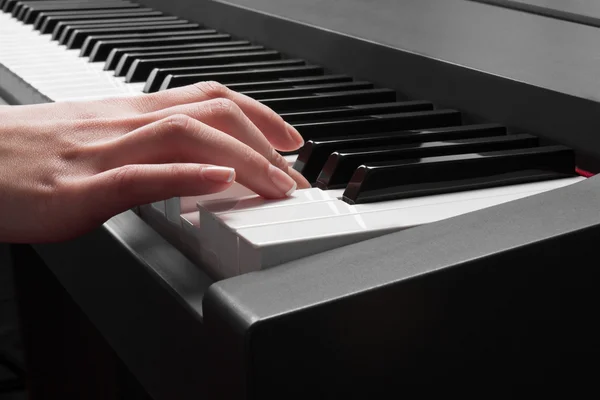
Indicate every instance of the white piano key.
{"type": "Point", "coordinates": [267, 244]}
{"type": "Point", "coordinates": [255, 201]}
{"type": "Point", "coordinates": [176, 206]}
{"type": "Point", "coordinates": [275, 211]}
{"type": "Point", "coordinates": [198, 254]}
{"type": "Point", "coordinates": [291, 158]}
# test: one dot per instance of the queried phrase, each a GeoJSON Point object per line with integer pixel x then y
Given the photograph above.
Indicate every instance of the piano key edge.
{"type": "Point", "coordinates": [16, 91]}
{"type": "Point", "coordinates": [506, 282]}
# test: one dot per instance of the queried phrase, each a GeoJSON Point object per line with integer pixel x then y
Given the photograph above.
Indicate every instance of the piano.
{"type": "Point", "coordinates": [447, 244]}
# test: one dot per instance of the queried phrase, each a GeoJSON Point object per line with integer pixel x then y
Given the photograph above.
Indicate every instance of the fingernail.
{"type": "Point", "coordinates": [295, 135]}
{"type": "Point", "coordinates": [281, 180]}
{"type": "Point", "coordinates": [218, 174]}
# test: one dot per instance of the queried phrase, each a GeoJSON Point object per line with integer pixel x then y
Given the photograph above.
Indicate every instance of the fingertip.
{"type": "Point", "coordinates": [295, 136]}
{"type": "Point", "coordinates": [218, 174]}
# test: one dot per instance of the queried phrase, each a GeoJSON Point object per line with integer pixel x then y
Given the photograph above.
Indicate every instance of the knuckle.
{"type": "Point", "coordinates": [177, 170]}
{"type": "Point", "coordinates": [123, 178]}
{"type": "Point", "coordinates": [222, 107]}
{"type": "Point", "coordinates": [277, 159]}
{"type": "Point", "coordinates": [250, 157]}
{"type": "Point", "coordinates": [212, 89]}
{"type": "Point", "coordinates": [176, 123]}
{"type": "Point", "coordinates": [173, 129]}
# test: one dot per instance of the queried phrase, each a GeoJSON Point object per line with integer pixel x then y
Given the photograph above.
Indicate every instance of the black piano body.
{"type": "Point", "coordinates": [488, 300]}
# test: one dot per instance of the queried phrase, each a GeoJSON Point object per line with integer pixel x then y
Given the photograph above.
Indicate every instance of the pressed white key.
{"type": "Point", "coordinates": [269, 245]}
{"type": "Point", "coordinates": [274, 211]}
{"type": "Point", "coordinates": [224, 226]}
{"type": "Point", "coordinates": [256, 201]}
{"type": "Point", "coordinates": [266, 245]}
{"type": "Point", "coordinates": [194, 243]}
{"type": "Point", "coordinates": [291, 159]}
{"type": "Point", "coordinates": [180, 205]}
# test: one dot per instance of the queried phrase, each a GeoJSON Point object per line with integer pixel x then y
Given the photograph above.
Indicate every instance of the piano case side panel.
{"type": "Point", "coordinates": [144, 298]}
{"type": "Point", "coordinates": [499, 297]}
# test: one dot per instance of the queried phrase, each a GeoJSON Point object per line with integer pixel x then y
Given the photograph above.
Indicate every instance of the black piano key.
{"type": "Point", "coordinates": [23, 9]}
{"type": "Point", "coordinates": [7, 5]}
{"type": "Point", "coordinates": [101, 49]}
{"type": "Point", "coordinates": [20, 5]}
{"type": "Point", "coordinates": [360, 110]}
{"type": "Point", "coordinates": [289, 82]}
{"type": "Point", "coordinates": [67, 27]}
{"type": "Point", "coordinates": [32, 13]}
{"type": "Point", "coordinates": [29, 12]}
{"type": "Point", "coordinates": [444, 174]}
{"type": "Point", "coordinates": [131, 24]}
{"type": "Point", "coordinates": [307, 90]}
{"type": "Point", "coordinates": [48, 24]}
{"type": "Point", "coordinates": [330, 100]}
{"type": "Point", "coordinates": [78, 36]}
{"type": "Point", "coordinates": [314, 154]}
{"type": "Point", "coordinates": [340, 165]}
{"type": "Point", "coordinates": [140, 69]}
{"type": "Point", "coordinates": [158, 75]}
{"type": "Point", "coordinates": [53, 16]}
{"type": "Point", "coordinates": [127, 59]}
{"type": "Point", "coordinates": [172, 81]}
{"type": "Point", "coordinates": [380, 123]}
{"type": "Point", "coordinates": [121, 58]}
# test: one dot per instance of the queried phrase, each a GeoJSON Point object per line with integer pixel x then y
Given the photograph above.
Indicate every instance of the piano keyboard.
{"type": "Point", "coordinates": [377, 164]}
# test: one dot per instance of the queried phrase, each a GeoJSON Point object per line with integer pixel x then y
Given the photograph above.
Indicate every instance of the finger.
{"type": "Point", "coordinates": [281, 134]}
{"type": "Point", "coordinates": [131, 185]}
{"type": "Point", "coordinates": [181, 139]}
{"type": "Point", "coordinates": [225, 116]}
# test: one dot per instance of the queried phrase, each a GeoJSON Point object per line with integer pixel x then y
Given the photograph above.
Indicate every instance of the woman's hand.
{"type": "Point", "coordinates": [65, 168]}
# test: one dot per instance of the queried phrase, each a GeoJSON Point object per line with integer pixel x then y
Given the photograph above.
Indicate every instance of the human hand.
{"type": "Point", "coordinates": [65, 168]}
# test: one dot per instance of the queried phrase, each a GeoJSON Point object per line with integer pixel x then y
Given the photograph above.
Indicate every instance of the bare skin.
{"type": "Point", "coordinates": [68, 167]}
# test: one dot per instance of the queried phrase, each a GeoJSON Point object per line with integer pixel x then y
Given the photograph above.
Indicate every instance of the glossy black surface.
{"type": "Point", "coordinates": [380, 123]}
{"type": "Point", "coordinates": [158, 75]}
{"type": "Point", "coordinates": [32, 14]}
{"type": "Point", "coordinates": [91, 36]}
{"type": "Point", "coordinates": [289, 82]}
{"type": "Point", "coordinates": [341, 165]}
{"type": "Point", "coordinates": [63, 31]}
{"type": "Point", "coordinates": [321, 89]}
{"type": "Point", "coordinates": [50, 15]}
{"type": "Point", "coordinates": [140, 69]}
{"type": "Point", "coordinates": [102, 48]}
{"type": "Point", "coordinates": [50, 22]}
{"type": "Point", "coordinates": [122, 63]}
{"type": "Point", "coordinates": [172, 81]}
{"type": "Point", "coordinates": [331, 100]}
{"type": "Point", "coordinates": [313, 155]}
{"type": "Point", "coordinates": [115, 57]}
{"type": "Point", "coordinates": [379, 181]}
{"type": "Point", "coordinates": [356, 111]}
